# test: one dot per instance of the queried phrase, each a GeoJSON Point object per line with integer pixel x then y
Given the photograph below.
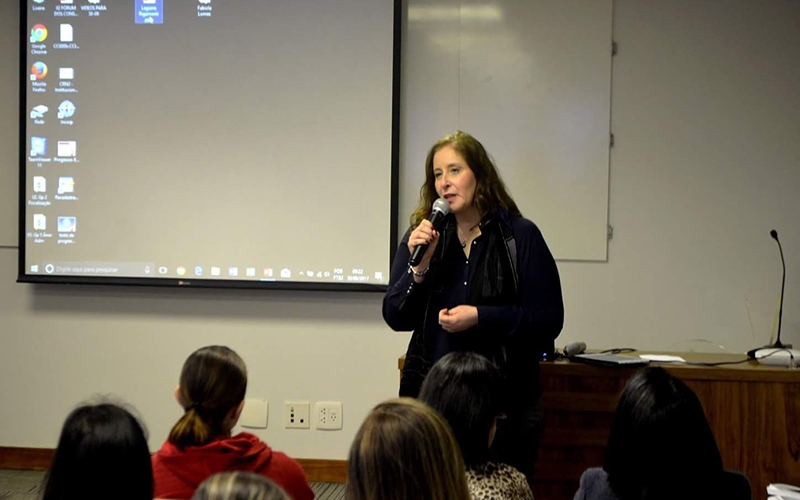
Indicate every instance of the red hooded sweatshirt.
{"type": "Point", "coordinates": [177, 473]}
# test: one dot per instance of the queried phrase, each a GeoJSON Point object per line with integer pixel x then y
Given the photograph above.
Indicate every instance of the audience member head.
{"type": "Point", "coordinates": [660, 443]}
{"type": "Point", "coordinates": [403, 450]}
{"type": "Point", "coordinates": [465, 388]}
{"type": "Point", "coordinates": [239, 485]}
{"type": "Point", "coordinates": [211, 391]}
{"type": "Point", "coordinates": [102, 453]}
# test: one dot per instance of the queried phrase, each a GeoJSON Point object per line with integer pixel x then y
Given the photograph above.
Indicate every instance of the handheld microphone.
{"type": "Point", "coordinates": [778, 343]}
{"type": "Point", "coordinates": [439, 211]}
{"type": "Point", "coordinates": [574, 348]}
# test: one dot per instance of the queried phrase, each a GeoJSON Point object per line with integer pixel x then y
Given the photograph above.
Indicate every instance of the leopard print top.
{"type": "Point", "coordinates": [496, 481]}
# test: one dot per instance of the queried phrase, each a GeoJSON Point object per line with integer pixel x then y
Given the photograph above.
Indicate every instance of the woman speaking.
{"type": "Point", "coordinates": [486, 282]}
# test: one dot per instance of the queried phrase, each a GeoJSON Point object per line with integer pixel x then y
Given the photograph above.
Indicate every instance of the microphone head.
{"type": "Point", "coordinates": [441, 205]}
{"type": "Point", "coordinates": [774, 234]}
{"type": "Point", "coordinates": [574, 348]}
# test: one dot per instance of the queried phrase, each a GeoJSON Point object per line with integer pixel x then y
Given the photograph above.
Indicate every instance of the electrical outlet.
{"type": "Point", "coordinates": [296, 415]}
{"type": "Point", "coordinates": [254, 415]}
{"type": "Point", "coordinates": [329, 415]}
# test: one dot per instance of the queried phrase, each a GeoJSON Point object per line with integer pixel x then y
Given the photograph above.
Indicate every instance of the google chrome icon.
{"type": "Point", "coordinates": [38, 70]}
{"type": "Point", "coordinates": [38, 33]}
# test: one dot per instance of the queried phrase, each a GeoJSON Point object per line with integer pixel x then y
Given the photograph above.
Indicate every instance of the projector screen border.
{"type": "Point", "coordinates": [24, 277]}
{"type": "Point", "coordinates": [201, 283]}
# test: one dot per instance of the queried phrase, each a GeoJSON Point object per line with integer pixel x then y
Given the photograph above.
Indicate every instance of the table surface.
{"type": "Point", "coordinates": [744, 370]}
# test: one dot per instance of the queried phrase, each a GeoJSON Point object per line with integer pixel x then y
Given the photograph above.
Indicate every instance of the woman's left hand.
{"type": "Point", "coordinates": [458, 319]}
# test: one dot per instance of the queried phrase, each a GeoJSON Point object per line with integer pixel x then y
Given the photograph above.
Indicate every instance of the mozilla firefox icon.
{"type": "Point", "coordinates": [38, 70]}
{"type": "Point", "coordinates": [38, 33]}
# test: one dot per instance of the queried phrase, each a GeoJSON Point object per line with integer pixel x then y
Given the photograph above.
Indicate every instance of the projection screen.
{"type": "Point", "coordinates": [209, 142]}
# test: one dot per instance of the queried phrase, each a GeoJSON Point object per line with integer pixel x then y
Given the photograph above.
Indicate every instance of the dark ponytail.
{"type": "Point", "coordinates": [213, 382]}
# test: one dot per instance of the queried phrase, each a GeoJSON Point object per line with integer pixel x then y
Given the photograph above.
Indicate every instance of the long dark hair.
{"type": "Point", "coordinates": [660, 443]}
{"type": "Point", "coordinates": [213, 382]}
{"type": "Point", "coordinates": [491, 194]}
{"type": "Point", "coordinates": [403, 450]}
{"type": "Point", "coordinates": [465, 388]}
{"type": "Point", "coordinates": [102, 453]}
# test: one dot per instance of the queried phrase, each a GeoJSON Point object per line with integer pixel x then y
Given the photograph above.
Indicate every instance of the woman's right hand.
{"type": "Point", "coordinates": [422, 235]}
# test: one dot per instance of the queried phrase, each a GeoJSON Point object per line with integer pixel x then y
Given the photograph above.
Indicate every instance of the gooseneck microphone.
{"type": "Point", "coordinates": [785, 350]}
{"type": "Point", "coordinates": [778, 343]}
{"type": "Point", "coordinates": [439, 211]}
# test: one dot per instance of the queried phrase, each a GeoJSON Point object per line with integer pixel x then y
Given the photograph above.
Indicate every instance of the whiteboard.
{"type": "Point", "coordinates": [532, 81]}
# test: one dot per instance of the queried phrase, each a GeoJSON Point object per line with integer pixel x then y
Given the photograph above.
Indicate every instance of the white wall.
{"type": "Point", "coordinates": [706, 115]}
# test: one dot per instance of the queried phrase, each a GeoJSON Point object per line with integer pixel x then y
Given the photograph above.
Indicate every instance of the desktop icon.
{"type": "Point", "coordinates": [66, 185]}
{"type": "Point", "coordinates": [67, 2]}
{"type": "Point", "coordinates": [68, 148]}
{"type": "Point", "coordinates": [94, 1]}
{"type": "Point", "coordinates": [38, 71]}
{"type": "Point", "coordinates": [67, 224]}
{"type": "Point", "coordinates": [66, 73]}
{"type": "Point", "coordinates": [149, 12]}
{"type": "Point", "coordinates": [38, 146]}
{"type": "Point", "coordinates": [38, 33]}
{"type": "Point", "coordinates": [39, 222]}
{"type": "Point", "coordinates": [66, 109]}
{"type": "Point", "coordinates": [39, 184]}
{"type": "Point", "coordinates": [38, 1]}
{"type": "Point", "coordinates": [66, 32]}
{"type": "Point", "coordinates": [39, 111]}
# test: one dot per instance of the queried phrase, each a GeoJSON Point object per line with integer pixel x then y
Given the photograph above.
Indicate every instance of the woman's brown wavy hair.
{"type": "Point", "coordinates": [213, 382]}
{"type": "Point", "coordinates": [491, 194]}
{"type": "Point", "coordinates": [404, 450]}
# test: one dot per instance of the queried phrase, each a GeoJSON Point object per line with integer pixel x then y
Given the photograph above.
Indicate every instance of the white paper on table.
{"type": "Point", "coordinates": [662, 358]}
{"type": "Point", "coordinates": [783, 491]}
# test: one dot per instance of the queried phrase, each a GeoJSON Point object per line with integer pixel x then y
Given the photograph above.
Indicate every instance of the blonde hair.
{"type": "Point", "coordinates": [239, 485]}
{"type": "Point", "coordinates": [403, 450]}
{"type": "Point", "coordinates": [491, 194]}
{"type": "Point", "coordinates": [213, 382]}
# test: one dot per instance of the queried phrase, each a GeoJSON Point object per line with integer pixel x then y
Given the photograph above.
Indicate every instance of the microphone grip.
{"type": "Point", "coordinates": [416, 255]}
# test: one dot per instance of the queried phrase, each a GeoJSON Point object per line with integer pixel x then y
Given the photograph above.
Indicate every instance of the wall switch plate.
{"type": "Point", "coordinates": [328, 415]}
{"type": "Point", "coordinates": [255, 414]}
{"type": "Point", "coordinates": [296, 415]}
